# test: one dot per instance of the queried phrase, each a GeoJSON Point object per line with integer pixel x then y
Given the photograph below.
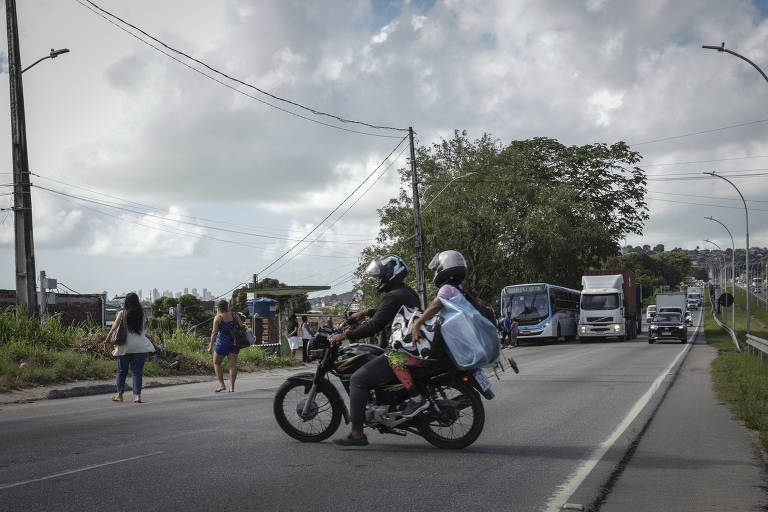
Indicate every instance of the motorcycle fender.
{"type": "Point", "coordinates": [307, 378]}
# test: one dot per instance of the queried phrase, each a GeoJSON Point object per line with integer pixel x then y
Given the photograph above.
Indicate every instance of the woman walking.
{"type": "Point", "coordinates": [221, 335]}
{"type": "Point", "coordinates": [293, 335]}
{"type": "Point", "coordinates": [134, 352]}
{"type": "Point", "coordinates": [306, 336]}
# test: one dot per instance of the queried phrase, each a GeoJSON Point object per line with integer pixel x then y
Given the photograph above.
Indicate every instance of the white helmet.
{"type": "Point", "coordinates": [449, 266]}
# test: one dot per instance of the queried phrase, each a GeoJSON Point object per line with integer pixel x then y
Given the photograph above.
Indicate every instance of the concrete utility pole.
{"type": "Point", "coordinates": [26, 292]}
{"type": "Point", "coordinates": [421, 285]}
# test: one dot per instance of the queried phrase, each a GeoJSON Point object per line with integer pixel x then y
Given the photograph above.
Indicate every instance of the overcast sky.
{"type": "Point", "coordinates": [118, 122]}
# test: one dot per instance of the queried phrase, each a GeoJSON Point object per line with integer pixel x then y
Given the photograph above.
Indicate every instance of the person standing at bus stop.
{"type": "Point", "coordinates": [306, 335]}
{"type": "Point", "coordinates": [506, 329]}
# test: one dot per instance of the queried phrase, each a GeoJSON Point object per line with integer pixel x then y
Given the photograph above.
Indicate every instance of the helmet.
{"type": "Point", "coordinates": [449, 267]}
{"type": "Point", "coordinates": [390, 270]}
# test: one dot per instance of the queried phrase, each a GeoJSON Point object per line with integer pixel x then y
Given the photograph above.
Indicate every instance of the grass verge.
{"type": "Point", "coordinates": [740, 378]}
{"type": "Point", "coordinates": [34, 353]}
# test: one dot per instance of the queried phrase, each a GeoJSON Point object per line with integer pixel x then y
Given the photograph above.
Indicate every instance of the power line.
{"type": "Point", "coordinates": [68, 288]}
{"type": "Point", "coordinates": [344, 212]}
{"type": "Point", "coordinates": [166, 219]}
{"type": "Point", "coordinates": [706, 197]}
{"type": "Point", "coordinates": [703, 161]}
{"type": "Point", "coordinates": [232, 78]}
{"type": "Point", "coordinates": [704, 204]}
{"type": "Point", "coordinates": [724, 172]}
{"type": "Point", "coordinates": [336, 208]}
{"type": "Point", "coordinates": [749, 123]}
{"type": "Point", "coordinates": [153, 208]}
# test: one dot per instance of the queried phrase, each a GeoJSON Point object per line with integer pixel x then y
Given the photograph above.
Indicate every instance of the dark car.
{"type": "Point", "coordinates": [667, 326]}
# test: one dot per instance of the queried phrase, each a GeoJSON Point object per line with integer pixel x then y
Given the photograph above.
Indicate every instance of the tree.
{"type": "Point", "coordinates": [535, 210]}
{"type": "Point", "coordinates": [659, 248]}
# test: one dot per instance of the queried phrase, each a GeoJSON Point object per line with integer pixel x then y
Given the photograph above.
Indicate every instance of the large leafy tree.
{"type": "Point", "coordinates": [532, 210]}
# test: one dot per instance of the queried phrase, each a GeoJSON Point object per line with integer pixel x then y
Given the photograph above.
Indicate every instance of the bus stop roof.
{"type": "Point", "coordinates": [286, 290]}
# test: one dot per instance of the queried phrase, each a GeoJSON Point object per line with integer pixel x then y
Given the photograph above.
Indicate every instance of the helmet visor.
{"type": "Point", "coordinates": [373, 269]}
{"type": "Point", "coordinates": [435, 262]}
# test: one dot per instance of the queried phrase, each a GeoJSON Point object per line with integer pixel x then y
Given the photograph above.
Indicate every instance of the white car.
{"type": "Point", "coordinates": [650, 312]}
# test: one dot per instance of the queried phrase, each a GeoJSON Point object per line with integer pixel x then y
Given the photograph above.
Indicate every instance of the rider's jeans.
{"type": "Point", "coordinates": [369, 375]}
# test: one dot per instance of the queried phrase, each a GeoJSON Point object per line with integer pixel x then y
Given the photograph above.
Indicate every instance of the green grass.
{"type": "Point", "coordinates": [35, 353]}
{"type": "Point", "coordinates": [740, 378]}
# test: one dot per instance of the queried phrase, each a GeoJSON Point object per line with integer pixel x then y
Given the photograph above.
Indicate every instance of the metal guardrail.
{"type": "Point", "coordinates": [728, 329]}
{"type": "Point", "coordinates": [755, 345]}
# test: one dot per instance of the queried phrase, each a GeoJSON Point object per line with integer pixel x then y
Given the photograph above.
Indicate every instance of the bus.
{"type": "Point", "coordinates": [543, 311]}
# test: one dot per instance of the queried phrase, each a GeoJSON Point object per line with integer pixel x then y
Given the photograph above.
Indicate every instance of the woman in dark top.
{"type": "Point", "coordinates": [221, 335]}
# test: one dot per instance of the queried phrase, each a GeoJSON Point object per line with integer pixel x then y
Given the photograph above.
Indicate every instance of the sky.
{"type": "Point", "coordinates": [149, 174]}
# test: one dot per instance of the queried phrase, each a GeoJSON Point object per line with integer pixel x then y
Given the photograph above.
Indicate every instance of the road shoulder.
{"type": "Point", "coordinates": [695, 455]}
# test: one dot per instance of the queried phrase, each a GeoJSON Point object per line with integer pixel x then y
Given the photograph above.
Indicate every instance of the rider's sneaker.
{"type": "Point", "coordinates": [352, 440]}
{"type": "Point", "coordinates": [414, 407]}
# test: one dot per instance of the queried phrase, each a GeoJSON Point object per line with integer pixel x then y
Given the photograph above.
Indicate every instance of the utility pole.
{"type": "Point", "coordinates": [26, 292]}
{"type": "Point", "coordinates": [421, 285]}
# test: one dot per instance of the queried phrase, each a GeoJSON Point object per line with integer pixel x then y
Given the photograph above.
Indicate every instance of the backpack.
{"type": "Point", "coordinates": [483, 308]}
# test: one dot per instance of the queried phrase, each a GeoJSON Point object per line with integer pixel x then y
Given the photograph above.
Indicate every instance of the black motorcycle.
{"type": "Point", "coordinates": [308, 407]}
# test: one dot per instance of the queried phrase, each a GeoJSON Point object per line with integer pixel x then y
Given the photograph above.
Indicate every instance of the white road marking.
{"type": "Point", "coordinates": [565, 491]}
{"type": "Point", "coordinates": [78, 470]}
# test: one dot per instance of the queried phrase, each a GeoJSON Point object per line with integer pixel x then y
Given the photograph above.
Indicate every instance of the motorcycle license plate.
{"type": "Point", "coordinates": [481, 379]}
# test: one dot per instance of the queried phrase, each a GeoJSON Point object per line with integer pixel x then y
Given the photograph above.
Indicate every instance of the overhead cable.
{"type": "Point", "coordinates": [749, 123]}
{"type": "Point", "coordinates": [232, 78]}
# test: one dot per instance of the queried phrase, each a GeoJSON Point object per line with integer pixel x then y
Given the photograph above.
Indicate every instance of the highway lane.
{"type": "Point", "coordinates": [190, 449]}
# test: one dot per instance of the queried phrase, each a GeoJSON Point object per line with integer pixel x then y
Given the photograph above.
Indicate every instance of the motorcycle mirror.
{"type": "Point", "coordinates": [360, 293]}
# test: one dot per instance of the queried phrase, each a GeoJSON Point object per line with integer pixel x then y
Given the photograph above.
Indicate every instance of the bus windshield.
{"type": "Point", "coordinates": [600, 301]}
{"type": "Point", "coordinates": [528, 307]}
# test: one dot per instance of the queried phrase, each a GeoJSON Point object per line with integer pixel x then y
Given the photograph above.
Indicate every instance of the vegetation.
{"type": "Point", "coordinates": [40, 353]}
{"type": "Point", "coordinates": [240, 297]}
{"type": "Point", "coordinates": [654, 270]}
{"type": "Point", "coordinates": [193, 316]}
{"type": "Point", "coordinates": [740, 378]}
{"type": "Point", "coordinates": [534, 210]}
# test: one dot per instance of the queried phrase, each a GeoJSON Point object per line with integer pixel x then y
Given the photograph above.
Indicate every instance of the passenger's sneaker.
{"type": "Point", "coordinates": [414, 407]}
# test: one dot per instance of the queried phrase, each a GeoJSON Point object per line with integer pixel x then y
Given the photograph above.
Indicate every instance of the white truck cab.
{"type": "Point", "coordinates": [602, 307]}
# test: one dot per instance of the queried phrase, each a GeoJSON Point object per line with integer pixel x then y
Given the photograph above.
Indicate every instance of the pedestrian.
{"type": "Point", "coordinates": [293, 335]}
{"type": "Point", "coordinates": [506, 329]}
{"type": "Point", "coordinates": [514, 332]}
{"type": "Point", "coordinates": [134, 352]}
{"type": "Point", "coordinates": [221, 336]}
{"type": "Point", "coordinates": [306, 335]}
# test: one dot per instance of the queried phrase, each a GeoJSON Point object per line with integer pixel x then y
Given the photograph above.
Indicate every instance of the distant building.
{"type": "Point", "coordinates": [194, 292]}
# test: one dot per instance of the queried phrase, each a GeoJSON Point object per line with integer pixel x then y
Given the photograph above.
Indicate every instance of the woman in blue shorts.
{"type": "Point", "coordinates": [221, 335]}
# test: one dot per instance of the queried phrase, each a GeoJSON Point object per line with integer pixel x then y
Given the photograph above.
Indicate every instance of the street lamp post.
{"type": "Point", "coordinates": [746, 213]}
{"type": "Point", "coordinates": [723, 49]}
{"type": "Point", "coordinates": [52, 55]}
{"type": "Point", "coordinates": [722, 267]}
{"type": "Point", "coordinates": [733, 268]}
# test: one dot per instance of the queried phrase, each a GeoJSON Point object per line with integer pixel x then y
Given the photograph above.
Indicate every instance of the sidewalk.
{"type": "Point", "coordinates": [694, 455]}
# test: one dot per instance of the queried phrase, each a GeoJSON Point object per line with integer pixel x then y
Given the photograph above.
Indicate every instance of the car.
{"type": "Point", "coordinates": [693, 304]}
{"type": "Point", "coordinates": [667, 326]}
{"type": "Point", "coordinates": [688, 318]}
{"type": "Point", "coordinates": [650, 312]}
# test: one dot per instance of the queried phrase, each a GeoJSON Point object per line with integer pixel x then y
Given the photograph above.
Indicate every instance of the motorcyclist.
{"type": "Point", "coordinates": [390, 270]}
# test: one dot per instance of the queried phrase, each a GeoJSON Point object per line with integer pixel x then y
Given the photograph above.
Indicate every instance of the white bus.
{"type": "Point", "coordinates": [543, 311]}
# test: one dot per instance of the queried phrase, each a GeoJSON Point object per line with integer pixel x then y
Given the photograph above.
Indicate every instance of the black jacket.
{"type": "Point", "coordinates": [383, 315]}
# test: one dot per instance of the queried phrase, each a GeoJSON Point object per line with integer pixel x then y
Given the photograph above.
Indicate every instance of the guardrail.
{"type": "Point", "coordinates": [755, 345]}
{"type": "Point", "coordinates": [727, 329]}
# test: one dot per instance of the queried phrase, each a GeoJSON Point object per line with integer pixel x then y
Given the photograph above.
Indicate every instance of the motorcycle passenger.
{"type": "Point", "coordinates": [390, 270]}
{"type": "Point", "coordinates": [450, 270]}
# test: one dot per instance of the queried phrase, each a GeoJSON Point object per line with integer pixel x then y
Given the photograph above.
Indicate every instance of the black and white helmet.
{"type": "Point", "coordinates": [390, 270]}
{"type": "Point", "coordinates": [450, 267]}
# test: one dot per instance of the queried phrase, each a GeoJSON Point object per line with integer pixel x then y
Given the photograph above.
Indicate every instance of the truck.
{"type": "Point", "coordinates": [694, 297]}
{"type": "Point", "coordinates": [611, 305]}
{"type": "Point", "coordinates": [672, 301]}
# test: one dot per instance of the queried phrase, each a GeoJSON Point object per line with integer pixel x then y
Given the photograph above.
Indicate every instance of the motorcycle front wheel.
{"type": "Point", "coordinates": [323, 416]}
{"type": "Point", "coordinates": [460, 419]}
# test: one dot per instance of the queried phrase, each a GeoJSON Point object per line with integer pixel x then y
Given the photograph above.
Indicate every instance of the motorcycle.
{"type": "Point", "coordinates": [309, 408]}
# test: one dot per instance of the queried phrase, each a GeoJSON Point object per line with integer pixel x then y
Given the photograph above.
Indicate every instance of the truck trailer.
{"type": "Point", "coordinates": [611, 304]}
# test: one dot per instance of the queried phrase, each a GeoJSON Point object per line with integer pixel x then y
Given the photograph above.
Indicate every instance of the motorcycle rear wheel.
{"type": "Point", "coordinates": [461, 418]}
{"type": "Point", "coordinates": [324, 413]}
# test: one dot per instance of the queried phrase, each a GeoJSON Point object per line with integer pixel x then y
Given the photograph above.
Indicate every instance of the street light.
{"type": "Point", "coordinates": [52, 55]}
{"type": "Point", "coordinates": [443, 189]}
{"type": "Point", "coordinates": [722, 49]}
{"type": "Point", "coordinates": [746, 213]}
{"type": "Point", "coordinates": [723, 266]}
{"type": "Point", "coordinates": [26, 289]}
{"type": "Point", "coordinates": [733, 268]}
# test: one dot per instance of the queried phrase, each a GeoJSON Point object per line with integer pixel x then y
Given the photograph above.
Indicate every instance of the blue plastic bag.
{"type": "Point", "coordinates": [471, 339]}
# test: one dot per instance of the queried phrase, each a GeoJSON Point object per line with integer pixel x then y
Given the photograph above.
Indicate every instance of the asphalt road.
{"type": "Point", "coordinates": [552, 431]}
